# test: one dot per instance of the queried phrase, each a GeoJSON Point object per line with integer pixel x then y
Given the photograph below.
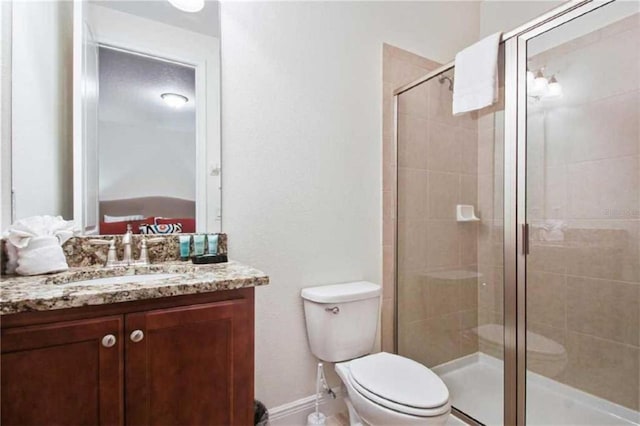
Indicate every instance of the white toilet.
{"type": "Point", "coordinates": [383, 389]}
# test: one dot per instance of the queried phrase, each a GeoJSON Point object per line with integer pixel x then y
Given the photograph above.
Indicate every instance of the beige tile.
{"type": "Point", "coordinates": [606, 309]}
{"type": "Point", "coordinates": [388, 271]}
{"type": "Point", "coordinates": [443, 245]}
{"type": "Point", "coordinates": [405, 55]}
{"type": "Point", "coordinates": [443, 337]}
{"type": "Point", "coordinates": [444, 148]}
{"type": "Point", "coordinates": [413, 298]}
{"type": "Point", "coordinates": [440, 103]}
{"type": "Point", "coordinates": [602, 129]}
{"type": "Point", "coordinates": [412, 245]}
{"type": "Point", "coordinates": [547, 298]}
{"type": "Point", "coordinates": [485, 151]}
{"type": "Point", "coordinates": [469, 190]}
{"type": "Point", "coordinates": [443, 195]}
{"type": "Point", "coordinates": [608, 249]}
{"type": "Point", "coordinates": [468, 140]}
{"type": "Point", "coordinates": [547, 258]}
{"type": "Point", "coordinates": [399, 72]}
{"type": "Point", "coordinates": [388, 177]}
{"type": "Point", "coordinates": [414, 102]}
{"type": "Point", "coordinates": [412, 142]}
{"type": "Point", "coordinates": [604, 368]}
{"type": "Point", "coordinates": [604, 188]}
{"type": "Point", "coordinates": [490, 317]}
{"type": "Point", "coordinates": [468, 233]}
{"type": "Point", "coordinates": [443, 296]}
{"type": "Point", "coordinates": [490, 249]}
{"type": "Point", "coordinates": [601, 260]}
{"type": "Point", "coordinates": [387, 325]}
{"type": "Point", "coordinates": [413, 193]}
{"type": "Point", "coordinates": [490, 289]}
{"type": "Point", "coordinates": [413, 342]}
{"type": "Point", "coordinates": [388, 208]}
{"type": "Point", "coordinates": [468, 288]}
{"type": "Point", "coordinates": [387, 231]}
{"type": "Point", "coordinates": [468, 335]}
{"type": "Point", "coordinates": [486, 196]}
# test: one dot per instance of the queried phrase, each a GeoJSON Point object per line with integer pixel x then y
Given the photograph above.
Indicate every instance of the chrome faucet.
{"type": "Point", "coordinates": [127, 238]}
{"type": "Point", "coordinates": [127, 242]}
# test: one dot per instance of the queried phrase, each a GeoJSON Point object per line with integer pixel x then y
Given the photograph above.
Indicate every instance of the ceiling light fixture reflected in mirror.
{"type": "Point", "coordinates": [174, 100]}
{"type": "Point", "coordinates": [191, 6]}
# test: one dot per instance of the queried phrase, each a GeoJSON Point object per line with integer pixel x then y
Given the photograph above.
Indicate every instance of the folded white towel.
{"type": "Point", "coordinates": [34, 244]}
{"type": "Point", "coordinates": [475, 83]}
{"type": "Point", "coordinates": [43, 255]}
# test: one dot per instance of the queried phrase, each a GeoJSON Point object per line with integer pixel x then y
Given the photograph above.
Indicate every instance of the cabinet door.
{"type": "Point", "coordinates": [191, 365]}
{"type": "Point", "coordinates": [63, 373]}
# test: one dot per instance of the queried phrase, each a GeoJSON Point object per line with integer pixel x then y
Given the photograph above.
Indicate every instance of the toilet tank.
{"type": "Point", "coordinates": [342, 319]}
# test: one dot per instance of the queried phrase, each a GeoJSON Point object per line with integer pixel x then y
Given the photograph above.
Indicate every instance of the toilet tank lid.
{"type": "Point", "coordinates": [338, 293]}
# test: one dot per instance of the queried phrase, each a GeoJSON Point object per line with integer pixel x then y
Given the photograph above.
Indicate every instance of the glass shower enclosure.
{"type": "Point", "coordinates": [518, 226]}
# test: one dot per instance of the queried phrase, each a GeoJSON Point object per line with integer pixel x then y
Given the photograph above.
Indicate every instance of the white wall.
{"type": "Point", "coordinates": [41, 108]}
{"type": "Point", "coordinates": [505, 15]}
{"type": "Point", "coordinates": [145, 161]}
{"type": "Point", "coordinates": [302, 131]}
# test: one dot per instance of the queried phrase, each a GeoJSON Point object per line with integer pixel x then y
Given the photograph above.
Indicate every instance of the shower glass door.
{"type": "Point", "coordinates": [449, 265]}
{"type": "Point", "coordinates": [583, 213]}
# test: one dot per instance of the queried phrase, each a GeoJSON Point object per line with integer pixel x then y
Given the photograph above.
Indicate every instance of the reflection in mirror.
{"type": "Point", "coordinates": [146, 110]}
{"type": "Point", "coordinates": [115, 115]}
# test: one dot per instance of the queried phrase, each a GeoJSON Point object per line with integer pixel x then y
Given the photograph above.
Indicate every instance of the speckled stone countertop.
{"type": "Point", "coordinates": [60, 291]}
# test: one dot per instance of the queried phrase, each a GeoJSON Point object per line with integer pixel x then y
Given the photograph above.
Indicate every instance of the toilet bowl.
{"type": "Point", "coordinates": [382, 388]}
{"type": "Point", "coordinates": [386, 389]}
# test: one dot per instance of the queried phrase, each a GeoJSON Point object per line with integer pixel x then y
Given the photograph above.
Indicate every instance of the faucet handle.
{"type": "Point", "coordinates": [144, 252]}
{"type": "Point", "coordinates": [112, 258]}
{"type": "Point", "coordinates": [98, 242]}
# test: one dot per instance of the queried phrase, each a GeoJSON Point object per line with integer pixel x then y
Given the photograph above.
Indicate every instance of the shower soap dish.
{"type": "Point", "coordinates": [466, 213]}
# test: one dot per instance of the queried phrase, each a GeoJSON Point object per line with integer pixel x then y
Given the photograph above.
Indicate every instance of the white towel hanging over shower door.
{"type": "Point", "coordinates": [475, 85]}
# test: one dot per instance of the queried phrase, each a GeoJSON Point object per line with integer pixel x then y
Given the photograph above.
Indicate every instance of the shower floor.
{"type": "Point", "coordinates": [475, 384]}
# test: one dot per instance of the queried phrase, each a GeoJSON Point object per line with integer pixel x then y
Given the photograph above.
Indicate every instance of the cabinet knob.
{"type": "Point", "coordinates": [136, 336]}
{"type": "Point", "coordinates": [109, 340]}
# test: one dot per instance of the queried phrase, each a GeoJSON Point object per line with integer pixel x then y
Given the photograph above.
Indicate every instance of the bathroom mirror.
{"type": "Point", "coordinates": [115, 114]}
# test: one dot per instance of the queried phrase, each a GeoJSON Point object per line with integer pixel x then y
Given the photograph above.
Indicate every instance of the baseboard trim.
{"type": "Point", "coordinates": [296, 412]}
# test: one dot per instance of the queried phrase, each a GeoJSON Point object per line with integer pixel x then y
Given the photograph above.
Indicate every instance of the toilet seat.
{"type": "Point", "coordinates": [399, 384]}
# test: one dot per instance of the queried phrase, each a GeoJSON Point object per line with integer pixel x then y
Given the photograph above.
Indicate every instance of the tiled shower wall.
{"type": "Point", "coordinates": [584, 206]}
{"type": "Point", "coordinates": [437, 255]}
{"type": "Point", "coordinates": [399, 68]}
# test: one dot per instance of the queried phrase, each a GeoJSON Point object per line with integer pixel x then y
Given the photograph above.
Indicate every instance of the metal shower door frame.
{"type": "Point", "coordinates": [514, 220]}
{"type": "Point", "coordinates": [516, 232]}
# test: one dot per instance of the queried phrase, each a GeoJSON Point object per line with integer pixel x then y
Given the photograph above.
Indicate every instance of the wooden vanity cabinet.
{"type": "Point", "coordinates": [185, 360]}
{"type": "Point", "coordinates": [62, 373]}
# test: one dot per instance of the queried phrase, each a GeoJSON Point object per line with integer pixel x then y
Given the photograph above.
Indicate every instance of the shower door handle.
{"type": "Point", "coordinates": [525, 239]}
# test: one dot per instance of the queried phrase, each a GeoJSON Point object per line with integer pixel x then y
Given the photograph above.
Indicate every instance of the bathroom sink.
{"type": "Point", "coordinates": [126, 279]}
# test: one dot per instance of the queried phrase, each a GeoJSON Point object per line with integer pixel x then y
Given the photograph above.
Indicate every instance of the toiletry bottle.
{"type": "Point", "coordinates": [212, 242]}
{"type": "Point", "coordinates": [185, 246]}
{"type": "Point", "coordinates": [198, 245]}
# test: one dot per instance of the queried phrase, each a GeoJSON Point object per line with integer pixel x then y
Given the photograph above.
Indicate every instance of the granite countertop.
{"type": "Point", "coordinates": [60, 291]}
